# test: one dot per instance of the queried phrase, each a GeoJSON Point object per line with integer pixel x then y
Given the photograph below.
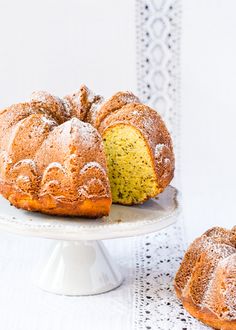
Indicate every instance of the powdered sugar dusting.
{"type": "Point", "coordinates": [67, 108]}
{"type": "Point", "coordinates": [128, 97]}
{"type": "Point", "coordinates": [27, 162]}
{"type": "Point", "coordinates": [60, 104]}
{"type": "Point", "coordinates": [94, 110]}
{"type": "Point", "coordinates": [222, 235]}
{"type": "Point", "coordinates": [88, 134]}
{"type": "Point", "coordinates": [148, 124]}
{"type": "Point", "coordinates": [23, 178]}
{"type": "Point", "coordinates": [230, 263]}
{"type": "Point", "coordinates": [220, 297]}
{"type": "Point", "coordinates": [213, 247]}
{"type": "Point", "coordinates": [55, 165]}
{"type": "Point", "coordinates": [38, 96]}
{"type": "Point", "coordinates": [158, 149]}
{"type": "Point", "coordinates": [92, 165]}
{"type": "Point", "coordinates": [48, 121]}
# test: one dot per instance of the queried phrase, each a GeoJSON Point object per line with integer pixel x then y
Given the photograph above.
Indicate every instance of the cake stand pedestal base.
{"type": "Point", "coordinates": [79, 264]}
{"type": "Point", "coordinates": [78, 269]}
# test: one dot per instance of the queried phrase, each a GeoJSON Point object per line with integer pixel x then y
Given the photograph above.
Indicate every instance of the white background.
{"type": "Point", "coordinates": [209, 114]}
{"type": "Point", "coordinates": [57, 45]}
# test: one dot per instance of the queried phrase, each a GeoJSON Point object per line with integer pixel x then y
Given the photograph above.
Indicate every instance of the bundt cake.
{"type": "Point", "coordinates": [54, 153]}
{"type": "Point", "coordinates": [206, 279]}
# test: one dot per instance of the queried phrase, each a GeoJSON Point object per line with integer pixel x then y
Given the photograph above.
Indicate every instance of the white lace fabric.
{"type": "Point", "coordinates": [157, 259]}
{"type": "Point", "coordinates": [158, 256]}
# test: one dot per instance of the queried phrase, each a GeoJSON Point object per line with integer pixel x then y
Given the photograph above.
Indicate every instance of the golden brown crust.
{"type": "Point", "coordinates": [80, 102]}
{"type": "Point", "coordinates": [205, 315]}
{"type": "Point", "coordinates": [206, 279]}
{"type": "Point", "coordinates": [50, 104]}
{"type": "Point", "coordinates": [49, 204]}
{"type": "Point", "coordinates": [100, 111]}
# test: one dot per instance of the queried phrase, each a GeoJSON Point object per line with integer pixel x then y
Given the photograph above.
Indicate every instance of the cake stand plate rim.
{"type": "Point", "coordinates": [152, 216]}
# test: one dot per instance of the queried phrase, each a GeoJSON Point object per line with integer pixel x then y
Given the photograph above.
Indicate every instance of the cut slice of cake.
{"type": "Point", "coordinates": [139, 153]}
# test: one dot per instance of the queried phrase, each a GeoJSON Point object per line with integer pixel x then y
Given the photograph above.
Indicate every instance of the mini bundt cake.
{"type": "Point", "coordinates": [206, 279]}
{"type": "Point", "coordinates": [54, 153]}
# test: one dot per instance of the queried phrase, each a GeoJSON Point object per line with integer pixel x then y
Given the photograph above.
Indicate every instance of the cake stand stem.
{"type": "Point", "coordinates": [78, 269]}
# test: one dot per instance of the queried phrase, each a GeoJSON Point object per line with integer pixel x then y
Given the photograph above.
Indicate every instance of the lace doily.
{"type": "Point", "coordinates": [157, 260]}
{"type": "Point", "coordinates": [158, 76]}
{"type": "Point", "coordinates": [158, 48]}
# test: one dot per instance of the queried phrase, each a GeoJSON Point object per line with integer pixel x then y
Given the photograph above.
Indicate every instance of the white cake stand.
{"type": "Point", "coordinates": [79, 264]}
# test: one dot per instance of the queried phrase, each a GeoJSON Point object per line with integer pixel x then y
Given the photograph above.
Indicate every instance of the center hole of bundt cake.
{"type": "Point", "coordinates": [131, 173]}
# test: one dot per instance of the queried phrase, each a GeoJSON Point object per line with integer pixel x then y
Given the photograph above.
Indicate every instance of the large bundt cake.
{"type": "Point", "coordinates": [54, 153]}
{"type": "Point", "coordinates": [206, 280]}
